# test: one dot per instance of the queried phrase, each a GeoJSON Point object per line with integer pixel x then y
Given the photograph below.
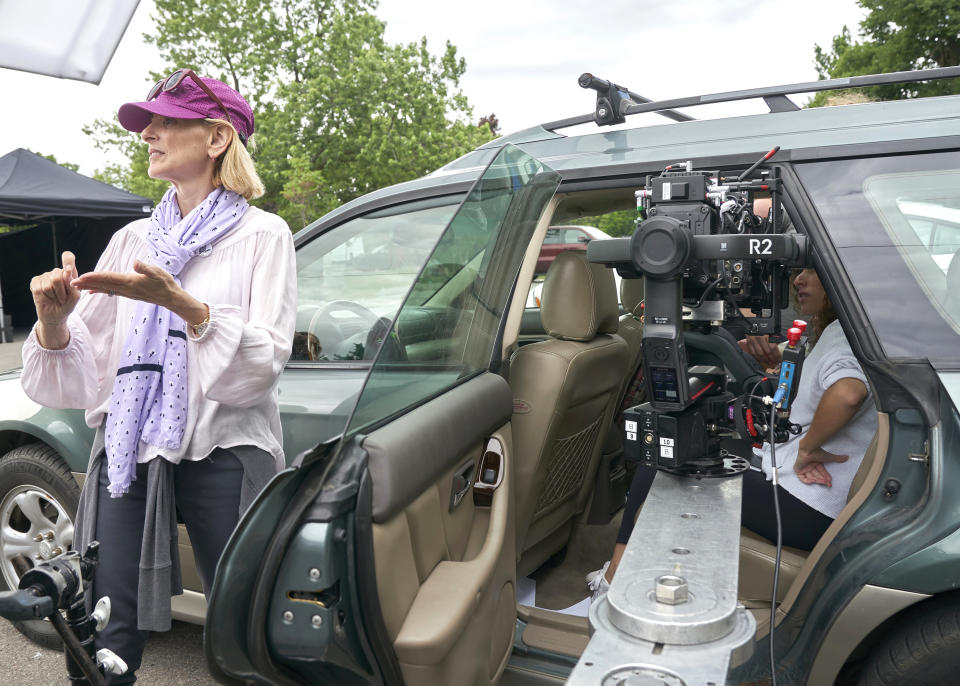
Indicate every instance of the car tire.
{"type": "Point", "coordinates": [922, 648]}
{"type": "Point", "coordinates": [38, 497]}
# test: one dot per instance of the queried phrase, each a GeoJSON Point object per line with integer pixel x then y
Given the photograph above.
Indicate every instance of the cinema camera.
{"type": "Point", "coordinates": [703, 255]}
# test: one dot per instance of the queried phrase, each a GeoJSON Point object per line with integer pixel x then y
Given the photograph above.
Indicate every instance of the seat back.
{"type": "Point", "coordinates": [757, 554]}
{"type": "Point", "coordinates": [564, 390]}
{"type": "Point", "coordinates": [631, 328]}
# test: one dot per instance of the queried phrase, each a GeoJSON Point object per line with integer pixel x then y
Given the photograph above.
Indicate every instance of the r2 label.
{"type": "Point", "coordinates": [760, 246]}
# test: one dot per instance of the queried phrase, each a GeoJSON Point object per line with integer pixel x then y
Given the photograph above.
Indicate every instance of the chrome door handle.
{"type": "Point", "coordinates": [462, 480]}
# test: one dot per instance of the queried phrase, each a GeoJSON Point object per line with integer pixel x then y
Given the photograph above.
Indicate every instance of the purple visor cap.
{"type": "Point", "coordinates": [189, 101]}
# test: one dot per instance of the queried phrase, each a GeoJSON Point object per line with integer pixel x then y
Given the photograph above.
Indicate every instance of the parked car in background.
{"type": "Point", "coordinates": [433, 464]}
{"type": "Point", "coordinates": [561, 238]}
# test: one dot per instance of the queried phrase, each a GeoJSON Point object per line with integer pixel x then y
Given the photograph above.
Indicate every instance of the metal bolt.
{"type": "Point", "coordinates": [671, 590]}
{"type": "Point", "coordinates": [602, 112]}
{"type": "Point", "coordinates": [57, 551]}
{"type": "Point", "coordinates": [49, 535]}
{"type": "Point", "coordinates": [314, 573]}
{"type": "Point", "coordinates": [287, 616]}
{"type": "Point", "coordinates": [316, 620]}
{"type": "Point", "coordinates": [38, 538]}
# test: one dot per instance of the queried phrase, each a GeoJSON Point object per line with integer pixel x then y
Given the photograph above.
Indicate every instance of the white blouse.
{"type": "Point", "coordinates": [830, 360]}
{"type": "Point", "coordinates": [248, 279]}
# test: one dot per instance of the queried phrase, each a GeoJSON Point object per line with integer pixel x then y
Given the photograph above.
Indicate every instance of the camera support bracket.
{"type": "Point", "coordinates": [672, 613]}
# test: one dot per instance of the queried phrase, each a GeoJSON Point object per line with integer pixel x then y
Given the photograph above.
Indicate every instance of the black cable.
{"type": "Point", "coordinates": [707, 291]}
{"type": "Point", "coordinates": [776, 568]}
{"type": "Point", "coordinates": [754, 388]}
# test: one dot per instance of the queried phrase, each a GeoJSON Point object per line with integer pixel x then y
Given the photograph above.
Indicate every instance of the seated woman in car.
{"type": "Point", "coordinates": [815, 468]}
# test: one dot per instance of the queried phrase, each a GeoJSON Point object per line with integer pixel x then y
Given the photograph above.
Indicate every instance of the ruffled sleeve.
{"type": "Point", "coordinates": [239, 359]}
{"type": "Point", "coordinates": [72, 377]}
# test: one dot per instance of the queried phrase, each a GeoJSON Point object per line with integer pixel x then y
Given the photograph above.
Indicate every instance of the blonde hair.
{"type": "Point", "coordinates": [234, 169]}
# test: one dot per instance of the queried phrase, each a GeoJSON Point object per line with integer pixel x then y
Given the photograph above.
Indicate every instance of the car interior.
{"type": "Point", "coordinates": [588, 539]}
{"type": "Point", "coordinates": [447, 575]}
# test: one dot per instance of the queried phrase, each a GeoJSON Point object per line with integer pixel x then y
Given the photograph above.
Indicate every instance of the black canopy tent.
{"type": "Point", "coordinates": [58, 209]}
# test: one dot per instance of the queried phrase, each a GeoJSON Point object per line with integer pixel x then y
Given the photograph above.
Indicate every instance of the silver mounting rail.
{"type": "Point", "coordinates": [671, 616]}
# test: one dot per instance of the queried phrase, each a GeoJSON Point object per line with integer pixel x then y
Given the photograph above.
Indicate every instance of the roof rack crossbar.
{"type": "Point", "coordinates": [806, 87]}
{"type": "Point", "coordinates": [624, 93]}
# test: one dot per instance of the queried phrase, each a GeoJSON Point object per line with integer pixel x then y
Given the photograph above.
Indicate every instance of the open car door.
{"type": "Point", "coordinates": [389, 556]}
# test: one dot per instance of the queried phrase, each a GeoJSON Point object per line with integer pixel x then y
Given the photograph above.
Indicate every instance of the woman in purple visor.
{"type": "Point", "coordinates": [173, 346]}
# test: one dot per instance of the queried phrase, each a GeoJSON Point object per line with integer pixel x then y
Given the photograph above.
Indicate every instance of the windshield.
{"type": "Point", "coordinates": [357, 274]}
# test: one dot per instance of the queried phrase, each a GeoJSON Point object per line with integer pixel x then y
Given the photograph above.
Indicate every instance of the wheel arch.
{"type": "Point", "coordinates": [859, 656]}
{"type": "Point", "coordinates": [71, 441]}
{"type": "Point", "coordinates": [871, 615]}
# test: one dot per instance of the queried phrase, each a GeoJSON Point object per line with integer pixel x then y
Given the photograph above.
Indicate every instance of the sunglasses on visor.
{"type": "Point", "coordinates": [173, 81]}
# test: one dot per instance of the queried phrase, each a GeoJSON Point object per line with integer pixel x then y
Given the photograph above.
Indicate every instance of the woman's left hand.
{"type": "Point", "coordinates": [147, 283]}
{"type": "Point", "coordinates": [810, 465]}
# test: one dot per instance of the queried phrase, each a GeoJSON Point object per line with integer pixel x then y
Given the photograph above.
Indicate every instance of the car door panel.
{"type": "Point", "coordinates": [388, 562]}
{"type": "Point", "coordinates": [447, 590]}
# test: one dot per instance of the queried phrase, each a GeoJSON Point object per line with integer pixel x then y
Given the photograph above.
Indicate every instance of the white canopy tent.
{"type": "Point", "coordinates": [78, 40]}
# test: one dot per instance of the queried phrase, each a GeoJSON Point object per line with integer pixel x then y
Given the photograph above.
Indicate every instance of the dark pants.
{"type": "Point", "coordinates": [208, 500]}
{"type": "Point", "coordinates": [802, 525]}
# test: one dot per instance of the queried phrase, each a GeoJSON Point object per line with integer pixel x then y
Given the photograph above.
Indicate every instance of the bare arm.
{"type": "Point", "coordinates": [836, 409]}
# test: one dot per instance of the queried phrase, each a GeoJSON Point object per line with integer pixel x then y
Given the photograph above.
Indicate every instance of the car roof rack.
{"type": "Point", "coordinates": [614, 102]}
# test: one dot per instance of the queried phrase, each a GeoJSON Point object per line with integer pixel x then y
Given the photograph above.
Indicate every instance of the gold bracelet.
{"type": "Point", "coordinates": [198, 329]}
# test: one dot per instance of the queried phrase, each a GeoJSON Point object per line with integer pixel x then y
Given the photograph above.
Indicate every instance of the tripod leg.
{"type": "Point", "coordinates": [76, 654]}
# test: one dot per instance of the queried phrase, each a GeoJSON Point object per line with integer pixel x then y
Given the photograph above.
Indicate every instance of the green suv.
{"type": "Point", "coordinates": [435, 473]}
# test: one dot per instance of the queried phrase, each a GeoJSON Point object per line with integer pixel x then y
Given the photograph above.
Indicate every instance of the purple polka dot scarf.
{"type": "Point", "coordinates": [149, 400]}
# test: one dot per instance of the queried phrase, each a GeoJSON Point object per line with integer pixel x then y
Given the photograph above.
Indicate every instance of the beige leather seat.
{"type": "Point", "coordinates": [758, 555]}
{"type": "Point", "coordinates": [631, 330]}
{"type": "Point", "coordinates": [564, 390]}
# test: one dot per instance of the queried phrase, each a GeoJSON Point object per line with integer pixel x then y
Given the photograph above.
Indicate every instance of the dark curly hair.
{"type": "Point", "coordinates": [821, 320]}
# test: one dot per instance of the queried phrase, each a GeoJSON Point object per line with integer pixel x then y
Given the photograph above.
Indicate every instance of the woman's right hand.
{"type": "Point", "coordinates": [55, 298]}
{"type": "Point", "coordinates": [766, 353]}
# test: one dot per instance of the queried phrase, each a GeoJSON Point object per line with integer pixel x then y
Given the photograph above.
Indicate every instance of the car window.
{"type": "Point", "coordinates": [896, 224]}
{"type": "Point", "coordinates": [447, 329]}
{"type": "Point", "coordinates": [553, 237]}
{"type": "Point", "coordinates": [357, 273]}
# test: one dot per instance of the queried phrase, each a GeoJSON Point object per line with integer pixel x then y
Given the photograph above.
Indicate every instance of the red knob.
{"type": "Point", "coordinates": [800, 324]}
{"type": "Point", "coordinates": [793, 336]}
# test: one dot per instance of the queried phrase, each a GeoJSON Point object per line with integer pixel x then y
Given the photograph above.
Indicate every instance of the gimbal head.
{"type": "Point", "coordinates": [703, 255]}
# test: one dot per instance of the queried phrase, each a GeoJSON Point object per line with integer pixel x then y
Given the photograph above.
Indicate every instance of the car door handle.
{"type": "Point", "coordinates": [462, 480]}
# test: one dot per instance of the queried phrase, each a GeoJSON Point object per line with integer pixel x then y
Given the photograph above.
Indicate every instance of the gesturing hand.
{"type": "Point", "coordinates": [147, 283]}
{"type": "Point", "coordinates": [54, 296]}
{"type": "Point", "coordinates": [810, 466]}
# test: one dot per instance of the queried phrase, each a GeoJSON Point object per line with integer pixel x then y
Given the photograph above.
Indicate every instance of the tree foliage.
{"type": "Point", "coordinates": [619, 223]}
{"type": "Point", "coordinates": [897, 35]}
{"type": "Point", "coordinates": [339, 110]}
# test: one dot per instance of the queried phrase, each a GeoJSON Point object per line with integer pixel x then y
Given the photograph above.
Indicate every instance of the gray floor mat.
{"type": "Point", "coordinates": [590, 546]}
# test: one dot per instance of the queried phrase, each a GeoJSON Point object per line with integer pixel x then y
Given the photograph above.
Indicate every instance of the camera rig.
{"type": "Point", "coordinates": [57, 585]}
{"type": "Point", "coordinates": [704, 255]}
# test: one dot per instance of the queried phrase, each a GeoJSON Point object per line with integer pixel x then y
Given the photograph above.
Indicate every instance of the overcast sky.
{"type": "Point", "coordinates": [523, 58]}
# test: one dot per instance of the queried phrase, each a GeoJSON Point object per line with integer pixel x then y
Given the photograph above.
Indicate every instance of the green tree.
{"type": "Point", "coordinates": [896, 35]}
{"type": "Point", "coordinates": [339, 110]}
{"type": "Point", "coordinates": [619, 223]}
{"type": "Point", "coordinates": [110, 136]}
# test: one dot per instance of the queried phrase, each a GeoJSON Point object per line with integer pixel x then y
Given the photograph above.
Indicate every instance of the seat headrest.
{"type": "Point", "coordinates": [631, 295]}
{"type": "Point", "coordinates": [579, 298]}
